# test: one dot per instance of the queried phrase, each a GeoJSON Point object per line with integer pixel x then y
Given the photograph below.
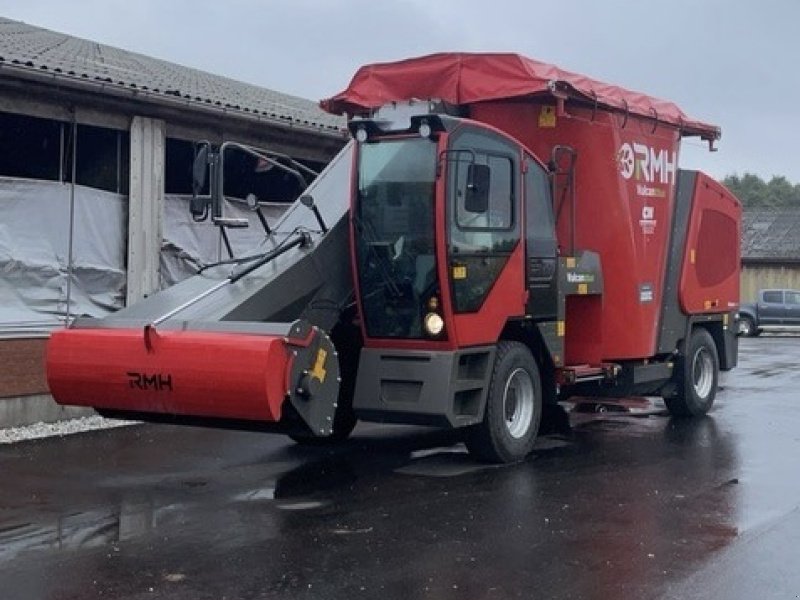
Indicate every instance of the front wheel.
{"type": "Point", "coordinates": [696, 377]}
{"type": "Point", "coordinates": [513, 407]}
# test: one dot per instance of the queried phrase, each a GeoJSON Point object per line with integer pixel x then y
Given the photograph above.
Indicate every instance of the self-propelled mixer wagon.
{"type": "Point", "coordinates": [499, 234]}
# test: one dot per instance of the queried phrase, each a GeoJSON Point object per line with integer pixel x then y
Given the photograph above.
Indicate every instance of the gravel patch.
{"type": "Point", "coordinates": [12, 435]}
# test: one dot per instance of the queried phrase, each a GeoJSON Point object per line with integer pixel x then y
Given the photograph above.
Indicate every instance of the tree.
{"type": "Point", "coordinates": [754, 192]}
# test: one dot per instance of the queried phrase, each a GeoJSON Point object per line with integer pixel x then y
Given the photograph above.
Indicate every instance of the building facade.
{"type": "Point", "coordinates": [770, 250]}
{"type": "Point", "coordinates": [96, 153]}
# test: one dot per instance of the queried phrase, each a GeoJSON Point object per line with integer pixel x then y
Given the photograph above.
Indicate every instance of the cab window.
{"type": "Point", "coordinates": [483, 212]}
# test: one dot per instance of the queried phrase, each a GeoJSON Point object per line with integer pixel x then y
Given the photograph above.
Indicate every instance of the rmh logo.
{"type": "Point", "coordinates": [646, 163]}
{"type": "Point", "coordinates": [157, 381]}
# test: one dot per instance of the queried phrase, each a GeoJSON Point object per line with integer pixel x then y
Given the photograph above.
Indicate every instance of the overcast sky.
{"type": "Point", "coordinates": [734, 63]}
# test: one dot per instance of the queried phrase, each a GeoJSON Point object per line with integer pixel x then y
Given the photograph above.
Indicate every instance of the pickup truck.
{"type": "Point", "coordinates": [774, 308]}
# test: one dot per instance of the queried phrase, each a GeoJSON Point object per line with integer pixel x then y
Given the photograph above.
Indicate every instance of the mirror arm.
{"type": "Point", "coordinates": [226, 240]}
{"type": "Point", "coordinates": [263, 220]}
{"type": "Point", "coordinates": [307, 200]}
{"type": "Point", "coordinates": [216, 170]}
{"type": "Point", "coordinates": [322, 225]}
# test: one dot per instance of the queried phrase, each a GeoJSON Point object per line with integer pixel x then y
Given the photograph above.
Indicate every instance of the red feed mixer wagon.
{"type": "Point", "coordinates": [498, 235]}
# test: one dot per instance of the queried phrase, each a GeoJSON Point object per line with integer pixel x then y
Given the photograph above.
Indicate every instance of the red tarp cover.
{"type": "Point", "coordinates": [462, 78]}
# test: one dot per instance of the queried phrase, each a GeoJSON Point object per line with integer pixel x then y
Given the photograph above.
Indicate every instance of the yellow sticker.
{"type": "Point", "coordinates": [571, 262]}
{"type": "Point", "coordinates": [583, 288]}
{"type": "Point", "coordinates": [547, 116]}
{"type": "Point", "coordinates": [460, 272]}
{"type": "Point", "coordinates": [560, 328]}
{"type": "Point", "coordinates": [319, 372]}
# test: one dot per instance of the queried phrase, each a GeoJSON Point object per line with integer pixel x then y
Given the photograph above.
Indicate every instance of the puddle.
{"type": "Point", "coordinates": [301, 505]}
{"type": "Point", "coordinates": [266, 493]}
{"type": "Point", "coordinates": [82, 530]}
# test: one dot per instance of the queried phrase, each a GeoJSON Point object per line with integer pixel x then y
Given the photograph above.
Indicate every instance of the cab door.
{"type": "Point", "coordinates": [541, 245]}
{"type": "Point", "coordinates": [484, 255]}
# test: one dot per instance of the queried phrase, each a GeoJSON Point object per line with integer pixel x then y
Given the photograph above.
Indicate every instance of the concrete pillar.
{"type": "Point", "coordinates": [145, 206]}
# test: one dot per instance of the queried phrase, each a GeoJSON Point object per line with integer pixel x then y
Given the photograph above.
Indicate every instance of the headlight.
{"type": "Point", "coordinates": [425, 130]}
{"type": "Point", "coordinates": [434, 324]}
{"type": "Point", "coordinates": [362, 135]}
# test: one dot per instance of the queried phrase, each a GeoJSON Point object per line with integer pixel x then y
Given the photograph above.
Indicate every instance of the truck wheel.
{"type": "Point", "coordinates": [697, 376]}
{"type": "Point", "coordinates": [513, 408]}
{"type": "Point", "coordinates": [747, 327]}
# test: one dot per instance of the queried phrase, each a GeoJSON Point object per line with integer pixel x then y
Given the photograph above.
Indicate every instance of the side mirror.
{"type": "Point", "coordinates": [307, 200]}
{"type": "Point", "coordinates": [477, 195]}
{"type": "Point", "coordinates": [199, 205]}
{"type": "Point", "coordinates": [199, 170]}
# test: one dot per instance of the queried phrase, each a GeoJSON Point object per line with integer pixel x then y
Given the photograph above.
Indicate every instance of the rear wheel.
{"type": "Point", "coordinates": [697, 377]}
{"type": "Point", "coordinates": [513, 407]}
{"type": "Point", "coordinates": [746, 327]}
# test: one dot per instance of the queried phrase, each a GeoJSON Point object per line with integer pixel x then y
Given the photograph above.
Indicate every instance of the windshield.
{"type": "Point", "coordinates": [394, 223]}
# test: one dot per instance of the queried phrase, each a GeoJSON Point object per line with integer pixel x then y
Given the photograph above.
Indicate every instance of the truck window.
{"type": "Point", "coordinates": [480, 243]}
{"type": "Point", "coordinates": [773, 297]}
{"type": "Point", "coordinates": [792, 297]}
{"type": "Point", "coordinates": [539, 218]}
{"type": "Point", "coordinates": [499, 215]}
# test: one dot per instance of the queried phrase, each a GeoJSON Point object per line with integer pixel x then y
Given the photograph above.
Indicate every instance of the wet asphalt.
{"type": "Point", "coordinates": [612, 504]}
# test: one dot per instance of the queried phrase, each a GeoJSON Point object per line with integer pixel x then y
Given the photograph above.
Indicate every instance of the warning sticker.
{"type": "Point", "coordinates": [547, 117]}
{"type": "Point", "coordinates": [648, 221]}
{"type": "Point", "coordinates": [646, 293]}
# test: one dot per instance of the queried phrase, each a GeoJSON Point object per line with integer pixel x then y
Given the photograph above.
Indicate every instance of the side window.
{"type": "Point", "coordinates": [496, 229]}
{"type": "Point", "coordinates": [499, 213]}
{"type": "Point", "coordinates": [773, 297]}
{"type": "Point", "coordinates": [792, 297]}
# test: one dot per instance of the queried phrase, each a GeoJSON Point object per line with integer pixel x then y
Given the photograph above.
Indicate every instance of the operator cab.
{"type": "Point", "coordinates": [437, 216]}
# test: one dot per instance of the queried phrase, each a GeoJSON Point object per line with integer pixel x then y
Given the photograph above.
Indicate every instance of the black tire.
{"type": "Point", "coordinates": [696, 377]}
{"type": "Point", "coordinates": [515, 385]}
{"type": "Point", "coordinates": [747, 327]}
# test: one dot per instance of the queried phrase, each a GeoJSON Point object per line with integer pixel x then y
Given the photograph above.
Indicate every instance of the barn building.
{"type": "Point", "coordinates": [770, 250]}
{"type": "Point", "coordinates": [96, 150]}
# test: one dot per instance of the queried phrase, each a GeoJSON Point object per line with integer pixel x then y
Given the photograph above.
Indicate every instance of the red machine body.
{"type": "Point", "coordinates": [627, 147]}
{"type": "Point", "coordinates": [710, 271]}
{"type": "Point", "coordinates": [196, 373]}
{"type": "Point", "coordinates": [517, 233]}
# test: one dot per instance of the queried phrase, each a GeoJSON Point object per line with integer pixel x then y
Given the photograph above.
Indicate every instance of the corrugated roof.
{"type": "Point", "coordinates": [63, 56]}
{"type": "Point", "coordinates": [771, 234]}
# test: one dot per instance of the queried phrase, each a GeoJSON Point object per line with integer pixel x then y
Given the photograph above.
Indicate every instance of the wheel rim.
{"type": "Point", "coordinates": [744, 327]}
{"type": "Point", "coordinates": [518, 401]}
{"type": "Point", "coordinates": [702, 372]}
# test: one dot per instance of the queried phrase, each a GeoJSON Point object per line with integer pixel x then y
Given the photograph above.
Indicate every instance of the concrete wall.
{"type": "Point", "coordinates": [756, 277]}
{"type": "Point", "coordinates": [26, 410]}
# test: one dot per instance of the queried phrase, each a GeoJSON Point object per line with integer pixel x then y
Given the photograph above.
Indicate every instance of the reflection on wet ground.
{"type": "Point", "coordinates": [618, 500]}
